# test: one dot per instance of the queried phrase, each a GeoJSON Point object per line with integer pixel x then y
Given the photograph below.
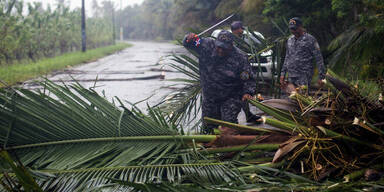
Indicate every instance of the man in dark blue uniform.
{"type": "Point", "coordinates": [225, 77]}
{"type": "Point", "coordinates": [302, 49]}
{"type": "Point", "coordinates": [237, 29]}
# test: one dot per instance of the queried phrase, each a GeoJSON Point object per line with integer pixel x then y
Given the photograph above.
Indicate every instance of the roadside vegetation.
{"type": "Point", "coordinates": [22, 71]}
{"type": "Point", "coordinates": [35, 40]}
{"type": "Point", "coordinates": [28, 31]}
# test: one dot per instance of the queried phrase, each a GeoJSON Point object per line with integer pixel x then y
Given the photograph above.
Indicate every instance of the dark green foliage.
{"type": "Point", "coordinates": [351, 29]}
{"type": "Point", "coordinates": [75, 140]}
{"type": "Point", "coordinates": [23, 176]}
{"type": "Point", "coordinates": [78, 139]}
{"type": "Point", "coordinates": [317, 15]}
{"type": "Point", "coordinates": [360, 48]}
{"type": "Point", "coordinates": [31, 32]}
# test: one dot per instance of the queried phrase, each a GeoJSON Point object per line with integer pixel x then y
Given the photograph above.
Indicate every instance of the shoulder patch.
{"type": "Point", "coordinates": [197, 42]}
{"type": "Point", "coordinates": [317, 46]}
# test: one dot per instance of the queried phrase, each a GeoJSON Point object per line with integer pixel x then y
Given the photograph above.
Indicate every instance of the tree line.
{"type": "Point", "coordinates": [350, 33]}
{"type": "Point", "coordinates": [29, 31]}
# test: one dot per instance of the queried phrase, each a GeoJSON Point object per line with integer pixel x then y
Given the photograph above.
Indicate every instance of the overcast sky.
{"type": "Point", "coordinates": [88, 3]}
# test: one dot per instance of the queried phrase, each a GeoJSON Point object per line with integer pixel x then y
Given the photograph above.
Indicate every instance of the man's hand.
{"type": "Point", "coordinates": [246, 97]}
{"type": "Point", "coordinates": [283, 84]}
{"type": "Point", "coordinates": [191, 37]}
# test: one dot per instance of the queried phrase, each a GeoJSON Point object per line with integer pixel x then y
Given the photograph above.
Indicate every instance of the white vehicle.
{"type": "Point", "coordinates": [265, 62]}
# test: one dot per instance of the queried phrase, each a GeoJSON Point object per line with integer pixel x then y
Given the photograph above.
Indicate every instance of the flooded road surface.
{"type": "Point", "coordinates": [117, 73]}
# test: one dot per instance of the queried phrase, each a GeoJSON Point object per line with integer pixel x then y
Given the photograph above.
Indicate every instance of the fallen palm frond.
{"type": "Point", "coordinates": [175, 173]}
{"type": "Point", "coordinates": [73, 139]}
{"type": "Point", "coordinates": [24, 178]}
{"type": "Point", "coordinates": [184, 103]}
{"type": "Point", "coordinates": [79, 137]}
{"type": "Point", "coordinates": [335, 133]}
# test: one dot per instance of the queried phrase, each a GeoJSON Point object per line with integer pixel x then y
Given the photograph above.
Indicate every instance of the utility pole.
{"type": "Point", "coordinates": [83, 35]}
{"type": "Point", "coordinates": [121, 23]}
{"type": "Point", "coordinates": [113, 24]}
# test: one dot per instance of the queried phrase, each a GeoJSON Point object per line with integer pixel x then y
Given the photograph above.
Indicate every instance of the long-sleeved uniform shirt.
{"type": "Point", "coordinates": [222, 77]}
{"type": "Point", "coordinates": [299, 57]}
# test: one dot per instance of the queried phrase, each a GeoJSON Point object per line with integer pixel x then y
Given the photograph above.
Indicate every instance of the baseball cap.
{"type": "Point", "coordinates": [224, 40]}
{"type": "Point", "coordinates": [294, 23]}
{"type": "Point", "coordinates": [236, 25]}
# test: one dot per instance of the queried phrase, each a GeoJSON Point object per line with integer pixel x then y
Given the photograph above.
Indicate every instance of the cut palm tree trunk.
{"type": "Point", "coordinates": [230, 140]}
{"type": "Point", "coordinates": [276, 113]}
{"type": "Point", "coordinates": [360, 173]}
{"type": "Point", "coordinates": [264, 147]}
{"type": "Point", "coordinates": [288, 126]}
{"type": "Point", "coordinates": [241, 128]}
{"type": "Point", "coordinates": [282, 104]}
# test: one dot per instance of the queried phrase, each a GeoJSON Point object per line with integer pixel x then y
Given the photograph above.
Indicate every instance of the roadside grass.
{"type": "Point", "coordinates": [19, 72]}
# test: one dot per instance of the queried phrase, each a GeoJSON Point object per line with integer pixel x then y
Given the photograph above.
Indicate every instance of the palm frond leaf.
{"type": "Point", "coordinates": [213, 173]}
{"type": "Point", "coordinates": [82, 139]}
{"type": "Point", "coordinates": [183, 103]}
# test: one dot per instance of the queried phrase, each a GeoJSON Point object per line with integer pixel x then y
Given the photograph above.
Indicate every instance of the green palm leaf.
{"type": "Point", "coordinates": [40, 118]}
{"type": "Point", "coordinates": [176, 173]}
{"type": "Point", "coordinates": [83, 139]}
{"type": "Point", "coordinates": [184, 102]}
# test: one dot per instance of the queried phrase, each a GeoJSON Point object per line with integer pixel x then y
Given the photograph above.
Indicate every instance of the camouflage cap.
{"type": "Point", "coordinates": [294, 23]}
{"type": "Point", "coordinates": [224, 40]}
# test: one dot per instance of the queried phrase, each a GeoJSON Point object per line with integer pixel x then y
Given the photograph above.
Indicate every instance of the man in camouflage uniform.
{"type": "Point", "coordinates": [302, 48]}
{"type": "Point", "coordinates": [225, 77]}
{"type": "Point", "coordinates": [237, 29]}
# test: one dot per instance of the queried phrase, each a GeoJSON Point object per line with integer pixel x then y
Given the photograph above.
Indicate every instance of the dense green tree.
{"type": "Point", "coordinates": [354, 27]}
{"type": "Point", "coordinates": [358, 51]}
{"type": "Point", "coordinates": [317, 15]}
{"type": "Point", "coordinates": [32, 32]}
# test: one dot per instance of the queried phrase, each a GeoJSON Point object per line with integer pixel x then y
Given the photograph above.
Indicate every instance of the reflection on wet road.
{"type": "Point", "coordinates": [132, 74]}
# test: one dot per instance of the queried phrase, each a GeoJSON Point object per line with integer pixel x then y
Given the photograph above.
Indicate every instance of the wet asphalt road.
{"type": "Point", "coordinates": [143, 59]}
